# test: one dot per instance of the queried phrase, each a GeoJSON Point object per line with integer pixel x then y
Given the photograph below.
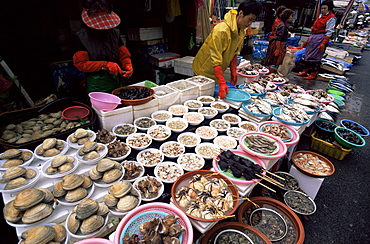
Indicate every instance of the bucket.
{"type": "Point", "coordinates": [246, 79]}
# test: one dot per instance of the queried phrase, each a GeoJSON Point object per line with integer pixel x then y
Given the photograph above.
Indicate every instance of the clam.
{"type": "Point", "coordinates": [95, 174]}
{"type": "Point", "coordinates": [82, 141]}
{"type": "Point", "coordinates": [110, 200]}
{"type": "Point", "coordinates": [30, 173]}
{"type": "Point", "coordinates": [91, 156]}
{"type": "Point", "coordinates": [40, 151]}
{"type": "Point", "coordinates": [99, 148]}
{"type": "Point", "coordinates": [112, 175]}
{"type": "Point", "coordinates": [72, 181]}
{"type": "Point", "coordinates": [91, 224]}
{"type": "Point", "coordinates": [49, 143]}
{"type": "Point", "coordinates": [51, 152]}
{"type": "Point", "coordinates": [65, 168]}
{"type": "Point", "coordinates": [80, 133]}
{"type": "Point", "coordinates": [58, 161]}
{"type": "Point", "coordinates": [60, 232]}
{"type": "Point", "coordinates": [16, 183]}
{"type": "Point", "coordinates": [40, 235]}
{"type": "Point", "coordinates": [105, 164]}
{"type": "Point", "coordinates": [89, 146]}
{"type": "Point", "coordinates": [87, 182]}
{"type": "Point", "coordinates": [28, 198]}
{"type": "Point", "coordinates": [12, 162]}
{"type": "Point", "coordinates": [73, 139]}
{"type": "Point", "coordinates": [120, 188]}
{"type": "Point", "coordinates": [12, 214]}
{"type": "Point", "coordinates": [37, 213]}
{"type": "Point", "coordinates": [103, 209]}
{"type": "Point", "coordinates": [25, 156]}
{"type": "Point", "coordinates": [58, 190]}
{"type": "Point", "coordinates": [51, 170]}
{"type": "Point", "coordinates": [70, 159]}
{"type": "Point", "coordinates": [14, 172]}
{"type": "Point", "coordinates": [86, 208]}
{"type": "Point", "coordinates": [73, 224]}
{"type": "Point", "coordinates": [127, 203]}
{"type": "Point", "coordinates": [10, 153]}
{"type": "Point", "coordinates": [76, 194]}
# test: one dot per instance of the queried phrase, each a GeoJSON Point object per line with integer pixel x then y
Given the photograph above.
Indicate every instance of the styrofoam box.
{"type": "Point", "coordinates": [146, 109]}
{"type": "Point", "coordinates": [107, 120]}
{"type": "Point", "coordinates": [171, 97]}
{"type": "Point", "coordinates": [163, 59]}
{"type": "Point", "coordinates": [258, 24]}
{"type": "Point", "coordinates": [187, 89]}
{"type": "Point", "coordinates": [206, 85]}
{"type": "Point", "coordinates": [184, 65]}
{"type": "Point", "coordinates": [144, 34]}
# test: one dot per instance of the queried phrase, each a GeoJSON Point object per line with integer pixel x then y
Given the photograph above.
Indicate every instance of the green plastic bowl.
{"type": "Point", "coordinates": [329, 87]}
{"type": "Point", "coordinates": [337, 97]}
{"type": "Point", "coordinates": [346, 143]}
{"type": "Point", "coordinates": [336, 92]}
{"type": "Point", "coordinates": [340, 103]}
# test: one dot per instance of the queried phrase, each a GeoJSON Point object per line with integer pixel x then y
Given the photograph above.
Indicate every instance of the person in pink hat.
{"type": "Point", "coordinates": [100, 52]}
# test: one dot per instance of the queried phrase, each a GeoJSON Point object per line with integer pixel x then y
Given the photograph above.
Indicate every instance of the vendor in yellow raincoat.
{"type": "Point", "coordinates": [224, 43]}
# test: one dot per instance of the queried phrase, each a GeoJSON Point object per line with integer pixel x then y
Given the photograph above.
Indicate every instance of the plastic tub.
{"type": "Point", "coordinates": [346, 143]}
{"type": "Point", "coordinates": [72, 113]}
{"type": "Point", "coordinates": [104, 101]}
{"type": "Point", "coordinates": [356, 127]}
{"type": "Point", "coordinates": [319, 122]}
{"type": "Point", "coordinates": [242, 78]}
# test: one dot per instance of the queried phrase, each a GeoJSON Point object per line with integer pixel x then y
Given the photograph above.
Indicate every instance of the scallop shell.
{"type": "Point", "coordinates": [28, 198]}
{"type": "Point", "coordinates": [13, 172]}
{"type": "Point", "coordinates": [91, 224]}
{"type": "Point", "coordinates": [10, 153]}
{"type": "Point", "coordinates": [37, 213]}
{"type": "Point", "coordinates": [58, 190]}
{"type": "Point", "coordinates": [72, 181]}
{"type": "Point", "coordinates": [110, 200]}
{"type": "Point", "coordinates": [86, 208]}
{"type": "Point", "coordinates": [49, 143]}
{"type": "Point", "coordinates": [60, 232]}
{"type": "Point", "coordinates": [58, 161]}
{"type": "Point", "coordinates": [76, 194]}
{"type": "Point", "coordinates": [12, 162]}
{"type": "Point", "coordinates": [127, 203]}
{"type": "Point", "coordinates": [65, 168]}
{"type": "Point", "coordinates": [105, 164]}
{"type": "Point", "coordinates": [40, 234]}
{"type": "Point", "coordinates": [12, 214]}
{"type": "Point", "coordinates": [16, 183]}
{"type": "Point", "coordinates": [112, 175]}
{"type": "Point", "coordinates": [120, 188]}
{"type": "Point", "coordinates": [73, 224]}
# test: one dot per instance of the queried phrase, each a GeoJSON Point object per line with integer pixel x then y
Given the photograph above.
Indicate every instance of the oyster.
{"type": "Point", "coordinates": [13, 172]}
{"type": "Point", "coordinates": [86, 208]}
{"type": "Point", "coordinates": [73, 224]}
{"type": "Point", "coordinates": [105, 164]}
{"type": "Point", "coordinates": [60, 232]}
{"type": "Point", "coordinates": [16, 183]}
{"type": "Point", "coordinates": [39, 235]}
{"type": "Point", "coordinates": [91, 224]}
{"type": "Point", "coordinates": [72, 181]}
{"type": "Point", "coordinates": [28, 198]}
{"type": "Point", "coordinates": [10, 153]}
{"type": "Point", "coordinates": [12, 214]}
{"type": "Point", "coordinates": [127, 203]}
{"type": "Point", "coordinates": [37, 213]}
{"type": "Point", "coordinates": [120, 188]}
{"type": "Point", "coordinates": [76, 194]}
{"type": "Point", "coordinates": [112, 175]}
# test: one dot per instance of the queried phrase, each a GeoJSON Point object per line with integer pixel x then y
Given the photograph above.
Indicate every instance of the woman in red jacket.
{"type": "Point", "coordinates": [100, 52]}
{"type": "Point", "coordinates": [322, 30]}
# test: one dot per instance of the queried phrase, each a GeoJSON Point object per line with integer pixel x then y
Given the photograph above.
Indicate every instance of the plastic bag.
{"type": "Point", "coordinates": [288, 64]}
{"type": "Point", "coordinates": [299, 54]}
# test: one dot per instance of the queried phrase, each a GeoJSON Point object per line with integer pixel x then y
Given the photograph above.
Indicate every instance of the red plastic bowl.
{"type": "Point", "coordinates": [70, 113]}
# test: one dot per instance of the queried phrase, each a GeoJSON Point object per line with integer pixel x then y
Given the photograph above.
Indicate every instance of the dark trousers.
{"type": "Point", "coordinates": [312, 66]}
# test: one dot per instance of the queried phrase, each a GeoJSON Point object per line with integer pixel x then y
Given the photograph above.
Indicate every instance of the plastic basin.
{"type": "Point", "coordinates": [346, 143]}
{"type": "Point", "coordinates": [71, 113]}
{"type": "Point", "coordinates": [336, 92]}
{"type": "Point", "coordinates": [104, 101]}
{"type": "Point", "coordinates": [319, 125]}
{"type": "Point", "coordinates": [356, 127]}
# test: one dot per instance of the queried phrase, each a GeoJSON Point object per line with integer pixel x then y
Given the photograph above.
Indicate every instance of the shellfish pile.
{"type": "Point", "coordinates": [122, 197]}
{"type": "Point", "coordinates": [50, 147]}
{"type": "Point", "coordinates": [80, 136]}
{"type": "Point", "coordinates": [29, 206]}
{"type": "Point", "coordinates": [157, 230]}
{"type": "Point", "coordinates": [90, 150]}
{"type": "Point", "coordinates": [45, 234]}
{"type": "Point", "coordinates": [205, 198]}
{"type": "Point", "coordinates": [149, 187]}
{"type": "Point", "coordinates": [107, 171]}
{"type": "Point", "coordinates": [87, 217]}
{"type": "Point", "coordinates": [73, 187]}
{"type": "Point", "coordinates": [17, 176]}
{"type": "Point", "coordinates": [104, 136]}
{"type": "Point", "coordinates": [14, 157]}
{"type": "Point", "coordinates": [277, 130]}
{"type": "Point", "coordinates": [118, 149]}
{"type": "Point", "coordinates": [60, 164]}
{"type": "Point", "coordinates": [44, 125]}
{"type": "Point", "coordinates": [132, 170]}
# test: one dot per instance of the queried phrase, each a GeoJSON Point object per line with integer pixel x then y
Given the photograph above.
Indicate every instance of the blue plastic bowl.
{"type": "Point", "coordinates": [252, 94]}
{"type": "Point", "coordinates": [244, 106]}
{"type": "Point", "coordinates": [317, 124]}
{"type": "Point", "coordinates": [344, 123]}
{"type": "Point", "coordinates": [277, 111]}
{"type": "Point", "coordinates": [237, 95]}
{"type": "Point", "coordinates": [346, 143]}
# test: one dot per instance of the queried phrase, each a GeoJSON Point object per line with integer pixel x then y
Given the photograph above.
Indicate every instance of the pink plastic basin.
{"type": "Point", "coordinates": [104, 101]}
{"type": "Point", "coordinates": [95, 241]}
{"type": "Point", "coordinates": [295, 138]}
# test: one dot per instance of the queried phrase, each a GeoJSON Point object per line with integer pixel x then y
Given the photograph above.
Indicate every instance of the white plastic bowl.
{"type": "Point", "coordinates": [220, 110]}
{"type": "Point", "coordinates": [196, 139]}
{"type": "Point", "coordinates": [157, 156]}
{"type": "Point", "coordinates": [172, 149]}
{"type": "Point", "coordinates": [160, 191]}
{"type": "Point", "coordinates": [172, 121]}
{"type": "Point", "coordinates": [207, 150]}
{"type": "Point", "coordinates": [133, 141]}
{"type": "Point", "coordinates": [123, 136]}
{"type": "Point", "coordinates": [206, 133]}
{"type": "Point", "coordinates": [152, 122]}
{"type": "Point", "coordinates": [163, 114]}
{"type": "Point", "coordinates": [57, 175]}
{"type": "Point", "coordinates": [30, 184]}
{"type": "Point", "coordinates": [176, 169]}
{"type": "Point", "coordinates": [225, 142]}
{"type": "Point", "coordinates": [178, 110]}
{"type": "Point", "coordinates": [159, 132]}
{"type": "Point", "coordinates": [235, 119]}
{"type": "Point", "coordinates": [206, 100]}
{"type": "Point", "coordinates": [142, 172]}
{"type": "Point", "coordinates": [120, 158]}
{"type": "Point", "coordinates": [248, 124]}
{"type": "Point", "coordinates": [193, 105]}
{"type": "Point", "coordinates": [208, 112]}
{"type": "Point", "coordinates": [235, 132]}
{"type": "Point", "coordinates": [194, 118]}
{"type": "Point", "coordinates": [26, 163]}
{"type": "Point", "coordinates": [223, 125]}
{"type": "Point", "coordinates": [191, 161]}
{"type": "Point", "coordinates": [62, 152]}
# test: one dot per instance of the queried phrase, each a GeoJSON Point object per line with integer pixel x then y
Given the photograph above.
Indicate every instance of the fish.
{"type": "Point", "coordinates": [325, 115]}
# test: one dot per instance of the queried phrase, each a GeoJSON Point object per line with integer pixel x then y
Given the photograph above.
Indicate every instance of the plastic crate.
{"type": "Point", "coordinates": [327, 148]}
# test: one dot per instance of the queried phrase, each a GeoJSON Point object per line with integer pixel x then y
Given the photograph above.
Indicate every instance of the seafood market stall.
{"type": "Point", "coordinates": [174, 173]}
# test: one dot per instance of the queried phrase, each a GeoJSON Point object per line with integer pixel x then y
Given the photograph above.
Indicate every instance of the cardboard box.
{"type": "Point", "coordinates": [144, 34]}
{"type": "Point", "coordinates": [163, 59]}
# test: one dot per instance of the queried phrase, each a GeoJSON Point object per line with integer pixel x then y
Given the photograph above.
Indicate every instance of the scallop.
{"type": "Point", "coordinates": [112, 175]}
{"type": "Point", "coordinates": [120, 188]}
{"type": "Point", "coordinates": [12, 162]}
{"type": "Point", "coordinates": [58, 190]}
{"type": "Point", "coordinates": [73, 224]}
{"type": "Point", "coordinates": [10, 153]}
{"type": "Point", "coordinates": [12, 214]}
{"type": "Point", "coordinates": [76, 194]}
{"type": "Point", "coordinates": [127, 203]}
{"type": "Point", "coordinates": [72, 181]}
{"type": "Point", "coordinates": [91, 224]}
{"type": "Point", "coordinates": [65, 168]}
{"type": "Point", "coordinates": [58, 161]}
{"type": "Point", "coordinates": [37, 213]}
{"type": "Point", "coordinates": [28, 198]}
{"type": "Point", "coordinates": [110, 200]}
{"type": "Point", "coordinates": [60, 232]}
{"type": "Point", "coordinates": [40, 235]}
{"type": "Point", "coordinates": [105, 164]}
{"type": "Point", "coordinates": [16, 183]}
{"type": "Point", "coordinates": [49, 143]}
{"type": "Point", "coordinates": [14, 172]}
{"type": "Point", "coordinates": [86, 208]}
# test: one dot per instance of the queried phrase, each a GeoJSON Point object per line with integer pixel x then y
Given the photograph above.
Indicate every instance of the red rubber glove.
{"type": "Point", "coordinates": [233, 64]}
{"type": "Point", "coordinates": [125, 60]}
{"type": "Point", "coordinates": [222, 87]}
{"type": "Point", "coordinates": [323, 43]}
{"type": "Point", "coordinates": [113, 68]}
{"type": "Point", "coordinates": [82, 62]}
{"type": "Point", "coordinates": [277, 50]}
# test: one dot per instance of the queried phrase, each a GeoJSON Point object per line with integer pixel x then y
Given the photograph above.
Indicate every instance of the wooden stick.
{"type": "Point", "coordinates": [277, 176]}
{"type": "Point", "coordinates": [277, 182]}
{"type": "Point", "coordinates": [264, 185]}
{"type": "Point", "coordinates": [272, 181]}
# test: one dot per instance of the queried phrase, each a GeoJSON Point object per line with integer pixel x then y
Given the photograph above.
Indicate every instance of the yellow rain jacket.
{"type": "Point", "coordinates": [221, 45]}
